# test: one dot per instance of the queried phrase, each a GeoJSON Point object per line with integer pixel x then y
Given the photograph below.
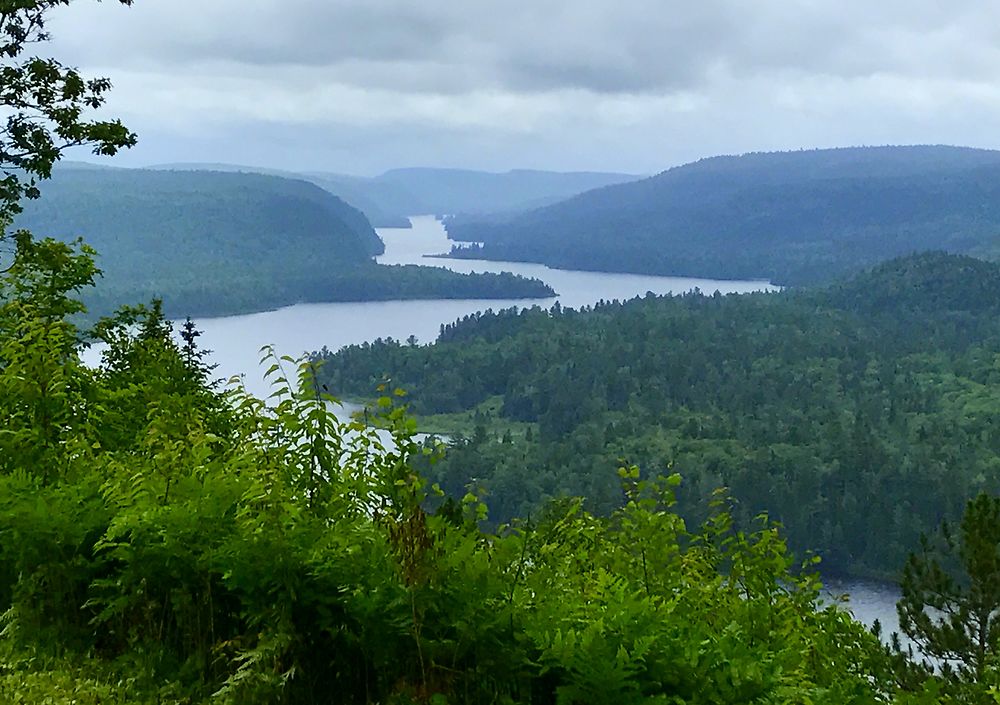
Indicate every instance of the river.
{"type": "Point", "coordinates": [235, 341]}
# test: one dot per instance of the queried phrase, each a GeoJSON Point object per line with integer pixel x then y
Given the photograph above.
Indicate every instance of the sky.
{"type": "Point", "coordinates": [635, 86]}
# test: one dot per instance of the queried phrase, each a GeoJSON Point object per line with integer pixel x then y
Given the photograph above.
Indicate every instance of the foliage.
{"type": "Point", "coordinates": [45, 104]}
{"type": "Point", "coordinates": [856, 427]}
{"type": "Point", "coordinates": [176, 544]}
{"type": "Point", "coordinates": [951, 598]}
{"type": "Point", "coordinates": [794, 218]}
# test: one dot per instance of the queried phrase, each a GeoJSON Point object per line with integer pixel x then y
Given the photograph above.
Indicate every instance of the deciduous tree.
{"type": "Point", "coordinates": [47, 106]}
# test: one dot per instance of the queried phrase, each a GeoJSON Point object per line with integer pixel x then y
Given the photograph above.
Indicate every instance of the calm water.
{"type": "Point", "coordinates": [869, 600]}
{"type": "Point", "coordinates": [236, 340]}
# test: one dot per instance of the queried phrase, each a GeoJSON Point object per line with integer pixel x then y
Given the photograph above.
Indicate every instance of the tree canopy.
{"type": "Point", "coordinates": [794, 218]}
{"type": "Point", "coordinates": [857, 425]}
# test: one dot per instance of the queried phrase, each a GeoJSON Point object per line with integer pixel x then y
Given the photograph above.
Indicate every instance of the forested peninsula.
{"type": "Point", "coordinates": [215, 243]}
{"type": "Point", "coordinates": [794, 218]}
{"type": "Point", "coordinates": [857, 416]}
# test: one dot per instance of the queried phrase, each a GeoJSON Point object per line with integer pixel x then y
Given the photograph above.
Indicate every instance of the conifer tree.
{"type": "Point", "coordinates": [951, 594]}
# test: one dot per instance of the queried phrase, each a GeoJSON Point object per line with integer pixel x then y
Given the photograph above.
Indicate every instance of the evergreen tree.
{"type": "Point", "coordinates": [951, 595]}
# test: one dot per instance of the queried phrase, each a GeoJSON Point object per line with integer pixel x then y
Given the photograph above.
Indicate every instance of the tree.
{"type": "Point", "coordinates": [45, 104]}
{"type": "Point", "coordinates": [951, 594]}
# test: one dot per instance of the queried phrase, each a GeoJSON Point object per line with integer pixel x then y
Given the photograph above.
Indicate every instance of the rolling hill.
{"type": "Point", "coordinates": [216, 243]}
{"type": "Point", "coordinates": [794, 218]}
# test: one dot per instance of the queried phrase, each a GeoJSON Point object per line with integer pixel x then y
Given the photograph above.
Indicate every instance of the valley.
{"type": "Point", "coordinates": [525, 353]}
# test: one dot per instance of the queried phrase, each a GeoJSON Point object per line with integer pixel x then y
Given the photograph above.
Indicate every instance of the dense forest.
{"type": "Point", "coordinates": [793, 218]}
{"type": "Point", "coordinates": [857, 416]}
{"type": "Point", "coordinates": [212, 243]}
{"type": "Point", "coordinates": [162, 542]}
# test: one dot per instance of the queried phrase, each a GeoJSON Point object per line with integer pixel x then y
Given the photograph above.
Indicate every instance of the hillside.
{"type": "Point", "coordinates": [216, 243]}
{"type": "Point", "coordinates": [379, 206]}
{"type": "Point", "coordinates": [854, 426]}
{"type": "Point", "coordinates": [795, 218]}
{"type": "Point", "coordinates": [931, 282]}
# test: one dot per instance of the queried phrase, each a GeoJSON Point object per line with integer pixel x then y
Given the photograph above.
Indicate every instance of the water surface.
{"type": "Point", "coordinates": [236, 340]}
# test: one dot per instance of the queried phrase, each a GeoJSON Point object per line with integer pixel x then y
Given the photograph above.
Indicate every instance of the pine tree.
{"type": "Point", "coordinates": [951, 594]}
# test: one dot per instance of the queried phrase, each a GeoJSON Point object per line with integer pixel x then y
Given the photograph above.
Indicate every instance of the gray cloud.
{"type": "Point", "coordinates": [626, 84]}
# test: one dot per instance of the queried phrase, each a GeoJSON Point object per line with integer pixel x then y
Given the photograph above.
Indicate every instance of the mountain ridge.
{"type": "Point", "coordinates": [792, 217]}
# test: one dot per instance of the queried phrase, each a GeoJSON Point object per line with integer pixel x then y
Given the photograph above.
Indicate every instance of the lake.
{"type": "Point", "coordinates": [236, 340]}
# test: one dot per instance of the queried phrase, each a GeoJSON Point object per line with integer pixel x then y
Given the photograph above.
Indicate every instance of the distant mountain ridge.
{"type": "Point", "coordinates": [447, 191]}
{"type": "Point", "coordinates": [388, 199]}
{"type": "Point", "coordinates": [791, 217]}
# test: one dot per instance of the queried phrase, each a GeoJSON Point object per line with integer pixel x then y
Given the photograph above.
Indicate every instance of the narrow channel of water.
{"type": "Point", "coordinates": [237, 340]}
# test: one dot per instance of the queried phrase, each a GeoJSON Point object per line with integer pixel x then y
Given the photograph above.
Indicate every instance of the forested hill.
{"type": "Point", "coordinates": [216, 243]}
{"type": "Point", "coordinates": [385, 205]}
{"type": "Point", "coordinates": [795, 218]}
{"type": "Point", "coordinates": [931, 282]}
{"type": "Point", "coordinates": [856, 426]}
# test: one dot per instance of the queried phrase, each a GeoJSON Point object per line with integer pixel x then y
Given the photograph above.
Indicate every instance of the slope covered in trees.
{"type": "Point", "coordinates": [857, 416]}
{"type": "Point", "coordinates": [793, 218]}
{"type": "Point", "coordinates": [216, 243]}
{"type": "Point", "coordinates": [165, 543]}
{"type": "Point", "coordinates": [385, 205]}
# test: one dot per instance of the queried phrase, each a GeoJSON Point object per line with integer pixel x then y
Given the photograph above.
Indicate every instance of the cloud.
{"type": "Point", "coordinates": [584, 83]}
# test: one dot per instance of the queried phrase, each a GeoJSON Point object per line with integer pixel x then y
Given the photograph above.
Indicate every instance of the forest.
{"type": "Point", "coordinates": [169, 539]}
{"type": "Point", "coordinates": [794, 218]}
{"type": "Point", "coordinates": [857, 416]}
{"type": "Point", "coordinates": [387, 200]}
{"type": "Point", "coordinates": [215, 243]}
{"type": "Point", "coordinates": [166, 542]}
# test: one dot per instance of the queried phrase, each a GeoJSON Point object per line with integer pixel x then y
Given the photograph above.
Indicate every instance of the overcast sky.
{"type": "Point", "coordinates": [360, 86]}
